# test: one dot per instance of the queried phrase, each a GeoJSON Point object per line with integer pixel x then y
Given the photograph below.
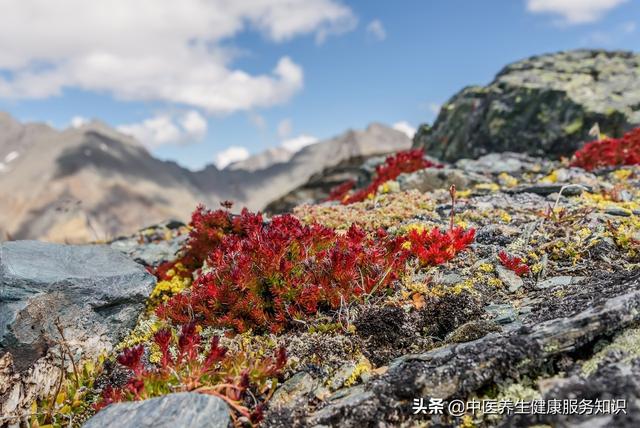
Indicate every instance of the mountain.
{"type": "Point", "coordinates": [94, 183]}
{"type": "Point", "coordinates": [265, 159]}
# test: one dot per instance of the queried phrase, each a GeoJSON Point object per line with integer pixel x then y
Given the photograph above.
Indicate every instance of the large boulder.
{"type": "Point", "coordinates": [181, 410]}
{"type": "Point", "coordinates": [93, 294]}
{"type": "Point", "coordinates": [544, 105]}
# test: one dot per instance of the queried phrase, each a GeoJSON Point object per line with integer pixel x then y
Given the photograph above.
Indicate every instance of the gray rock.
{"type": "Point", "coordinates": [300, 385]}
{"type": "Point", "coordinates": [559, 280]}
{"type": "Point", "coordinates": [451, 279]}
{"type": "Point", "coordinates": [544, 106]}
{"type": "Point", "coordinates": [93, 293]}
{"type": "Point", "coordinates": [472, 330]}
{"type": "Point", "coordinates": [509, 278]}
{"type": "Point", "coordinates": [502, 313]}
{"type": "Point", "coordinates": [429, 179]}
{"type": "Point", "coordinates": [180, 410]}
{"type": "Point", "coordinates": [152, 253]}
{"type": "Point", "coordinates": [616, 211]}
{"type": "Point", "coordinates": [496, 163]}
{"type": "Point", "coordinates": [545, 189]}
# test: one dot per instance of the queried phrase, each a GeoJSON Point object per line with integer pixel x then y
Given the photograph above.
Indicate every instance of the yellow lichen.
{"type": "Point", "coordinates": [463, 193]}
{"type": "Point", "coordinates": [486, 267]}
{"type": "Point", "coordinates": [143, 332]}
{"type": "Point", "coordinates": [622, 174]}
{"type": "Point", "coordinates": [504, 216]}
{"type": "Point", "coordinates": [363, 366]}
{"type": "Point", "coordinates": [507, 180]}
{"type": "Point", "coordinates": [491, 187]}
{"type": "Point", "coordinates": [165, 289]}
{"type": "Point", "coordinates": [551, 178]}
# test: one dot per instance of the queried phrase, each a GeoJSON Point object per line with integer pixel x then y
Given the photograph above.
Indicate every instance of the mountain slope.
{"type": "Point", "coordinates": [94, 183]}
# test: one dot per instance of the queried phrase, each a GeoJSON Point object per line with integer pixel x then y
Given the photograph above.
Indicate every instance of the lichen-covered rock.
{"type": "Point", "coordinates": [93, 294]}
{"type": "Point", "coordinates": [180, 410]}
{"type": "Point", "coordinates": [543, 105]}
{"type": "Point", "coordinates": [429, 179]}
{"type": "Point", "coordinates": [155, 244]}
{"type": "Point", "coordinates": [461, 370]}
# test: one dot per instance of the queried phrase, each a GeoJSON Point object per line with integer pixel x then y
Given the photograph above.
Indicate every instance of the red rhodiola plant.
{"type": "Point", "coordinates": [609, 152]}
{"type": "Point", "coordinates": [401, 162]}
{"type": "Point", "coordinates": [245, 381]}
{"type": "Point", "coordinates": [434, 247]}
{"type": "Point", "coordinates": [274, 273]}
{"type": "Point", "coordinates": [208, 228]}
{"type": "Point", "coordinates": [513, 263]}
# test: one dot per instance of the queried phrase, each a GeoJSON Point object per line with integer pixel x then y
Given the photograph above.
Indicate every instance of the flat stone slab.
{"type": "Point", "coordinates": [180, 410]}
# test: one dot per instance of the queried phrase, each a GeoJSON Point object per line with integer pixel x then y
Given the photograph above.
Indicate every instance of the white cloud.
{"type": "Point", "coordinates": [405, 127]}
{"type": "Point", "coordinates": [296, 143]}
{"type": "Point", "coordinates": [230, 155]}
{"type": "Point", "coordinates": [574, 11]}
{"type": "Point", "coordinates": [194, 124]}
{"type": "Point", "coordinates": [285, 127]}
{"type": "Point", "coordinates": [156, 50]}
{"type": "Point", "coordinates": [78, 121]}
{"type": "Point", "coordinates": [168, 129]}
{"type": "Point", "coordinates": [376, 30]}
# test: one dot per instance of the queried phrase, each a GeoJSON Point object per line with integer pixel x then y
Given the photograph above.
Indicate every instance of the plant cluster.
{"type": "Point", "coordinates": [609, 152]}
{"type": "Point", "coordinates": [273, 273]}
{"type": "Point", "coordinates": [401, 162]}
{"type": "Point", "coordinates": [513, 263]}
{"type": "Point", "coordinates": [207, 229]}
{"type": "Point", "coordinates": [71, 400]}
{"type": "Point", "coordinates": [266, 276]}
{"type": "Point", "coordinates": [433, 247]}
{"type": "Point", "coordinates": [388, 210]}
{"type": "Point", "coordinates": [187, 363]}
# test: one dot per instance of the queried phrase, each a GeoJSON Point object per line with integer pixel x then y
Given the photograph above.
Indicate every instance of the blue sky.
{"type": "Point", "coordinates": [193, 81]}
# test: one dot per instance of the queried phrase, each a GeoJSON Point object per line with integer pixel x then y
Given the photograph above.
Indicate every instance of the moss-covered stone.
{"type": "Point", "coordinates": [543, 105]}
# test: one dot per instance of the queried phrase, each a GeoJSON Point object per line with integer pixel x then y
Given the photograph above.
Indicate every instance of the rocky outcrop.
{"type": "Point", "coordinates": [90, 294]}
{"type": "Point", "coordinates": [317, 189]}
{"type": "Point", "coordinates": [543, 105]}
{"type": "Point", "coordinates": [552, 335]}
{"type": "Point", "coordinates": [155, 244]}
{"type": "Point", "coordinates": [180, 410]}
{"type": "Point", "coordinates": [430, 179]}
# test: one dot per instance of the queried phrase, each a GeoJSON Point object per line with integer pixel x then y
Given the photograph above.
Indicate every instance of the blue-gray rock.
{"type": "Point", "coordinates": [180, 410]}
{"type": "Point", "coordinates": [92, 292]}
{"type": "Point", "coordinates": [502, 313]}
{"type": "Point", "coordinates": [559, 281]}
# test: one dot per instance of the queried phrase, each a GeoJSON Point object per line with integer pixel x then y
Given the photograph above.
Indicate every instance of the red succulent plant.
{"type": "Point", "coordinates": [401, 162]}
{"type": "Point", "coordinates": [514, 263]}
{"type": "Point", "coordinates": [233, 377]}
{"type": "Point", "coordinates": [609, 152]}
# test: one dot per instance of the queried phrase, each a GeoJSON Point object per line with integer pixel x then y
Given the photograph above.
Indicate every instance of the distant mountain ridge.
{"type": "Point", "coordinates": [262, 160]}
{"type": "Point", "coordinates": [93, 182]}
